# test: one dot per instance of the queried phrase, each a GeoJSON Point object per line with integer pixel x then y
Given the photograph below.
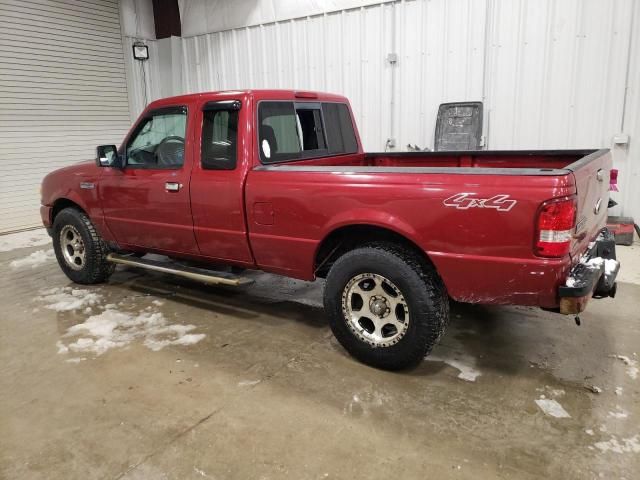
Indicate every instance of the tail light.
{"type": "Point", "coordinates": [613, 180]}
{"type": "Point", "coordinates": [555, 224]}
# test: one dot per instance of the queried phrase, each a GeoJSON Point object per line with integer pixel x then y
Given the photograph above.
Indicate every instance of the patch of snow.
{"type": "Point", "coordinates": [65, 299]}
{"type": "Point", "coordinates": [619, 390]}
{"type": "Point", "coordinates": [34, 260]}
{"type": "Point", "coordinates": [632, 365]}
{"type": "Point", "coordinates": [624, 445]}
{"type": "Point", "coordinates": [594, 263]}
{"type": "Point", "coordinates": [158, 303]}
{"type": "Point", "coordinates": [62, 348]}
{"type": "Point", "coordinates": [619, 413]}
{"type": "Point", "coordinates": [75, 360]}
{"type": "Point", "coordinates": [248, 383]}
{"type": "Point", "coordinates": [610, 266]}
{"type": "Point", "coordinates": [589, 431]}
{"type": "Point", "coordinates": [199, 472]}
{"type": "Point", "coordinates": [31, 238]}
{"type": "Point", "coordinates": [464, 363]}
{"type": "Point", "coordinates": [571, 282]}
{"type": "Point", "coordinates": [552, 408]}
{"type": "Point", "coordinates": [115, 329]}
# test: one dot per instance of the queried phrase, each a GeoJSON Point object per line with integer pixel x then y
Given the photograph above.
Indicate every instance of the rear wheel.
{"type": "Point", "coordinates": [386, 305]}
{"type": "Point", "coordinates": [80, 251]}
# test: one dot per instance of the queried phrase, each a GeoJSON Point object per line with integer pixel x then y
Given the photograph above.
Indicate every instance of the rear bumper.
{"type": "Point", "coordinates": [594, 276]}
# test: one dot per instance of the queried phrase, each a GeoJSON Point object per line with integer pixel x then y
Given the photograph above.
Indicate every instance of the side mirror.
{"type": "Point", "coordinates": [107, 156]}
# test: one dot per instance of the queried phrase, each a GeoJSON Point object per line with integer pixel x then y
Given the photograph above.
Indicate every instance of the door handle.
{"type": "Point", "coordinates": [172, 186]}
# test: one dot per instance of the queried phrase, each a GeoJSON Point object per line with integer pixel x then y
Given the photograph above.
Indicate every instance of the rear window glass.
{"type": "Point", "coordinates": [294, 130]}
{"type": "Point", "coordinates": [340, 134]}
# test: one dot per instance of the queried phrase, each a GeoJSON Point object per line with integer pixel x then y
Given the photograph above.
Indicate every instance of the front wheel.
{"type": "Point", "coordinates": [80, 251]}
{"type": "Point", "coordinates": [386, 305]}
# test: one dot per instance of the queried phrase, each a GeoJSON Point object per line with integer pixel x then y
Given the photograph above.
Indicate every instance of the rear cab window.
{"type": "Point", "coordinates": [297, 130]}
{"type": "Point", "coordinates": [220, 135]}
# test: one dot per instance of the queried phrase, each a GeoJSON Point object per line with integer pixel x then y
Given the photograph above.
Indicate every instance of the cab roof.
{"type": "Point", "coordinates": [259, 94]}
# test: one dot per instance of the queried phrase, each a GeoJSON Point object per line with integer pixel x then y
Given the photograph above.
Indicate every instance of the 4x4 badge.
{"type": "Point", "coordinates": [464, 201]}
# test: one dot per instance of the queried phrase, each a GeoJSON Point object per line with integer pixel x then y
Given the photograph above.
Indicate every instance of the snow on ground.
{"type": "Point", "coordinates": [116, 329]}
{"type": "Point", "coordinates": [112, 327]}
{"type": "Point", "coordinates": [632, 365]}
{"type": "Point", "coordinates": [36, 259]}
{"type": "Point", "coordinates": [624, 445]}
{"type": "Point", "coordinates": [65, 299]}
{"type": "Point", "coordinates": [552, 408]}
{"type": "Point", "coordinates": [31, 238]}
{"type": "Point", "coordinates": [248, 383]}
{"type": "Point", "coordinates": [619, 413]}
{"type": "Point", "coordinates": [464, 363]}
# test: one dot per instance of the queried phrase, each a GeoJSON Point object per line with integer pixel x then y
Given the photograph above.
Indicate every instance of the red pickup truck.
{"type": "Point", "coordinates": [278, 181]}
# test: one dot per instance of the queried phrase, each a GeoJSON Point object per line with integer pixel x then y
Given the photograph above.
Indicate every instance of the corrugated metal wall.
{"type": "Point", "coordinates": [627, 158]}
{"type": "Point", "coordinates": [556, 72]}
{"type": "Point", "coordinates": [62, 92]}
{"type": "Point", "coordinates": [438, 46]}
{"type": "Point", "coordinates": [552, 74]}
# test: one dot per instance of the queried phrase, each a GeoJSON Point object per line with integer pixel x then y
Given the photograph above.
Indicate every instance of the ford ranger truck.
{"type": "Point", "coordinates": [270, 180]}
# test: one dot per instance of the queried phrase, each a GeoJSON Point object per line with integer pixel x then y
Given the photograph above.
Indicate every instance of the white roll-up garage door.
{"type": "Point", "coordinates": [62, 92]}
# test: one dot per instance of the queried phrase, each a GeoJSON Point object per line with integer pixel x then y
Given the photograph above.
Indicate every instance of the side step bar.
{"type": "Point", "coordinates": [193, 273]}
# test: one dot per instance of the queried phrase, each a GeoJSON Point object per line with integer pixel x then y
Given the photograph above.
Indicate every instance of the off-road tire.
{"type": "Point", "coordinates": [96, 268]}
{"type": "Point", "coordinates": [420, 285]}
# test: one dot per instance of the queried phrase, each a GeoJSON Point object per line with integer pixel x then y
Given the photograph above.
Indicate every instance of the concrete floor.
{"type": "Point", "coordinates": [258, 388]}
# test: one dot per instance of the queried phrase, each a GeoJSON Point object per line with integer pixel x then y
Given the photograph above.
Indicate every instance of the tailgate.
{"type": "Point", "coordinates": [591, 175]}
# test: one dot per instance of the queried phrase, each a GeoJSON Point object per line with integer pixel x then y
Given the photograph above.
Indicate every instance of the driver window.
{"type": "Point", "coordinates": [158, 142]}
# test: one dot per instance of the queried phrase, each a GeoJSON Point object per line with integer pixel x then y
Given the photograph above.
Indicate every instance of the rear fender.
{"type": "Point", "coordinates": [374, 218]}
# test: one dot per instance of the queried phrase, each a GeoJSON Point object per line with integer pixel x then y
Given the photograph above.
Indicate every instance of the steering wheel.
{"type": "Point", "coordinates": [170, 150]}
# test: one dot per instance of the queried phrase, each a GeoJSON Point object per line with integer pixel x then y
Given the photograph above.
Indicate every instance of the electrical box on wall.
{"type": "Point", "coordinates": [621, 139]}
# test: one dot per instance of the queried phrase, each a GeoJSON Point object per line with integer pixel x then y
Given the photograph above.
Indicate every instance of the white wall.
{"type": "Point", "coordinates": [552, 74]}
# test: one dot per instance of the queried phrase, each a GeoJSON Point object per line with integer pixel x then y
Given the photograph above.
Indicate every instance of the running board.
{"type": "Point", "coordinates": [193, 273]}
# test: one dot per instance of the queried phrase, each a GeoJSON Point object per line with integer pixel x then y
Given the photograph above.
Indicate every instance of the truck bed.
{"type": "Point", "coordinates": [539, 161]}
{"type": "Point", "coordinates": [483, 254]}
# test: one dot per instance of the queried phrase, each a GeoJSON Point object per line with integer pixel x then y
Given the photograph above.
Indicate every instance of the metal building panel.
{"type": "Point", "coordinates": [627, 156]}
{"type": "Point", "coordinates": [439, 61]}
{"type": "Point", "coordinates": [556, 72]}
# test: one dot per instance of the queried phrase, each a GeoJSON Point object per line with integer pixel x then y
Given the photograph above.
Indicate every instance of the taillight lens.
{"type": "Point", "coordinates": [613, 180]}
{"type": "Point", "coordinates": [555, 224]}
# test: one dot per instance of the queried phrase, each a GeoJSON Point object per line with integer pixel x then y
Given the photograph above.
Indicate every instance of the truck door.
{"type": "Point", "coordinates": [147, 202]}
{"type": "Point", "coordinates": [217, 183]}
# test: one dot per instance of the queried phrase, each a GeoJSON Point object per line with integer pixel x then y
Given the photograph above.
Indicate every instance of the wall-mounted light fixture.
{"type": "Point", "coordinates": [140, 51]}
